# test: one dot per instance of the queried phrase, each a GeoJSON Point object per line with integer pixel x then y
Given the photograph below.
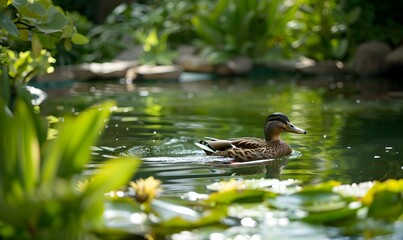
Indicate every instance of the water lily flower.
{"type": "Point", "coordinates": [146, 189]}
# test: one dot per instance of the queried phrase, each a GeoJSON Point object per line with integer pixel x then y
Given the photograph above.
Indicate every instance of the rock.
{"type": "Point", "coordinates": [168, 72]}
{"type": "Point", "coordinates": [131, 54]}
{"type": "Point", "coordinates": [104, 70]}
{"type": "Point", "coordinates": [394, 60]}
{"type": "Point", "coordinates": [321, 68]}
{"type": "Point", "coordinates": [282, 65]}
{"type": "Point", "coordinates": [240, 65]}
{"type": "Point", "coordinates": [88, 71]}
{"type": "Point", "coordinates": [60, 73]}
{"type": "Point", "coordinates": [369, 58]}
{"type": "Point", "coordinates": [195, 63]}
{"type": "Point", "coordinates": [186, 50]}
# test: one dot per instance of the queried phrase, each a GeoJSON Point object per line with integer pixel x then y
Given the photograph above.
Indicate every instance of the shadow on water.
{"type": "Point", "coordinates": [354, 133]}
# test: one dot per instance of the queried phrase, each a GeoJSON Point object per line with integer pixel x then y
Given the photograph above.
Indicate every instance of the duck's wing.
{"type": "Point", "coordinates": [213, 144]}
{"type": "Point", "coordinates": [248, 143]}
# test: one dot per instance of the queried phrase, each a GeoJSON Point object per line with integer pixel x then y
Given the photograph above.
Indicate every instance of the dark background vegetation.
{"type": "Point", "coordinates": [111, 32]}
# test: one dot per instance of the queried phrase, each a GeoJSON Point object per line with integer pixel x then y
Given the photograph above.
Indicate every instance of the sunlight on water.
{"type": "Point", "coordinates": [347, 140]}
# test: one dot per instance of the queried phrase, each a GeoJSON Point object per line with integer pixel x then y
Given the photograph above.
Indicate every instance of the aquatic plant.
{"type": "Point", "coordinates": [327, 209]}
{"type": "Point", "coordinates": [38, 177]}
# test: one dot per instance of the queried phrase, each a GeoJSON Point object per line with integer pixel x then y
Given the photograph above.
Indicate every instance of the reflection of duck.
{"type": "Point", "coordinates": [247, 149]}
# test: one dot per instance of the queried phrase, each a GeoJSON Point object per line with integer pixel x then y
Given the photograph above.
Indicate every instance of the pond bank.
{"type": "Point", "coordinates": [372, 59]}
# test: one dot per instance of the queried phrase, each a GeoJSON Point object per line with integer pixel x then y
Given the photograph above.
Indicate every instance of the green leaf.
{"type": "Point", "coordinates": [19, 3]}
{"type": "Point", "coordinates": [38, 9]}
{"type": "Point", "coordinates": [310, 201]}
{"type": "Point", "coordinates": [8, 25]}
{"type": "Point", "coordinates": [5, 86]}
{"type": "Point", "coordinates": [55, 22]}
{"type": "Point", "coordinates": [353, 15]}
{"type": "Point", "coordinates": [68, 154]}
{"type": "Point", "coordinates": [67, 44]}
{"type": "Point", "coordinates": [235, 195]}
{"type": "Point", "coordinates": [339, 47]}
{"type": "Point", "coordinates": [79, 39]}
{"type": "Point", "coordinates": [176, 215]}
{"type": "Point", "coordinates": [8, 148]}
{"type": "Point", "coordinates": [5, 3]}
{"type": "Point", "coordinates": [36, 46]}
{"type": "Point", "coordinates": [120, 170]}
{"type": "Point", "coordinates": [385, 200]}
{"type": "Point", "coordinates": [28, 148]}
{"type": "Point", "coordinates": [68, 31]}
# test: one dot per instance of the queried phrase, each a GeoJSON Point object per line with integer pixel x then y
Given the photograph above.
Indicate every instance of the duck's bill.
{"type": "Point", "coordinates": [294, 129]}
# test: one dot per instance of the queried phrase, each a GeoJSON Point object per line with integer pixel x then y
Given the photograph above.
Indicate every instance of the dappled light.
{"type": "Point", "coordinates": [170, 119]}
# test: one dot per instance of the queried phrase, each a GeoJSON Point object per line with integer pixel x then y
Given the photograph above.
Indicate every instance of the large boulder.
{"type": "Point", "coordinates": [394, 61]}
{"type": "Point", "coordinates": [369, 58]}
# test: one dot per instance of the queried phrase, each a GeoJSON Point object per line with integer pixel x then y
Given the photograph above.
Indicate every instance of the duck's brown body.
{"type": "Point", "coordinates": [249, 148]}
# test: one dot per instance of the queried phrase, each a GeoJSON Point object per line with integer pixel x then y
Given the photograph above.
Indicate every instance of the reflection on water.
{"type": "Point", "coordinates": [352, 137]}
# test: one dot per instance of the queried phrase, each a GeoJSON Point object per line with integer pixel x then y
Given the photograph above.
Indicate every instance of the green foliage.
{"type": "Point", "coordinates": [238, 27]}
{"type": "Point", "coordinates": [107, 40]}
{"type": "Point", "coordinates": [159, 27]}
{"type": "Point", "coordinates": [38, 177]}
{"type": "Point", "coordinates": [320, 29]}
{"type": "Point", "coordinates": [40, 22]}
{"type": "Point", "coordinates": [270, 29]}
{"type": "Point", "coordinates": [379, 20]}
{"type": "Point", "coordinates": [23, 66]}
{"type": "Point", "coordinates": [351, 209]}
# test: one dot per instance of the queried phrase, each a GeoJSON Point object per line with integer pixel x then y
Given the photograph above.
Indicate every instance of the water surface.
{"type": "Point", "coordinates": [354, 134]}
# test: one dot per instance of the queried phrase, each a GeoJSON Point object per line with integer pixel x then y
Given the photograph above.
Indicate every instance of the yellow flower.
{"type": "Point", "coordinates": [82, 185]}
{"type": "Point", "coordinates": [231, 185]}
{"type": "Point", "coordinates": [146, 189]}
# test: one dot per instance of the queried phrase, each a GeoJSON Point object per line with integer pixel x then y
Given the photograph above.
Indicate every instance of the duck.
{"type": "Point", "coordinates": [245, 149]}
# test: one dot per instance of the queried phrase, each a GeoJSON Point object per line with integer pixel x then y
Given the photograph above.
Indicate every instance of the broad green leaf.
{"type": "Point", "coordinates": [5, 3]}
{"type": "Point", "coordinates": [385, 200]}
{"type": "Point", "coordinates": [166, 210]}
{"type": "Point", "coordinates": [339, 47]}
{"type": "Point", "coordinates": [176, 215]}
{"type": "Point", "coordinates": [235, 195]}
{"type": "Point", "coordinates": [353, 15]}
{"type": "Point", "coordinates": [8, 148]}
{"type": "Point", "coordinates": [38, 9]}
{"type": "Point", "coordinates": [19, 3]}
{"type": "Point", "coordinates": [48, 41]}
{"type": "Point", "coordinates": [67, 44]}
{"type": "Point", "coordinates": [36, 46]}
{"type": "Point", "coordinates": [55, 23]}
{"type": "Point", "coordinates": [68, 154]}
{"type": "Point", "coordinates": [24, 34]}
{"type": "Point", "coordinates": [5, 86]}
{"type": "Point", "coordinates": [310, 201]}
{"type": "Point", "coordinates": [68, 31]}
{"type": "Point", "coordinates": [28, 148]}
{"type": "Point", "coordinates": [79, 39]}
{"type": "Point", "coordinates": [348, 212]}
{"type": "Point", "coordinates": [8, 25]}
{"type": "Point", "coordinates": [120, 170]}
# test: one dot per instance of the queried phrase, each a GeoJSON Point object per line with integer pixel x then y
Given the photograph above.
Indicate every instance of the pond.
{"type": "Point", "coordinates": [354, 128]}
{"type": "Point", "coordinates": [354, 135]}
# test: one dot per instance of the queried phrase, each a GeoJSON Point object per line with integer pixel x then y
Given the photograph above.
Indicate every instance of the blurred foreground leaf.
{"type": "Point", "coordinates": [38, 195]}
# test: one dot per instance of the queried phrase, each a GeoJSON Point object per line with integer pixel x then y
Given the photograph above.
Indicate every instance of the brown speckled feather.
{"type": "Point", "coordinates": [245, 150]}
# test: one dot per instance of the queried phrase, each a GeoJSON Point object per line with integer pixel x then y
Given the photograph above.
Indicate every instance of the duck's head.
{"type": "Point", "coordinates": [277, 123]}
